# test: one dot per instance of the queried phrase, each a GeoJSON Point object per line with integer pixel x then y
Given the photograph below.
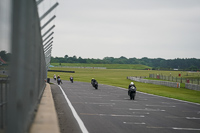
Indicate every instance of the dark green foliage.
{"type": "Point", "coordinates": [191, 64]}
{"type": "Point", "coordinates": [5, 56]}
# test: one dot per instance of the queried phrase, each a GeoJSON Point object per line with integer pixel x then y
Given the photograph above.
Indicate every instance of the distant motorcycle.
{"type": "Point", "coordinates": [59, 81]}
{"type": "Point", "coordinates": [132, 92]}
{"type": "Point", "coordinates": [71, 79]}
{"type": "Point", "coordinates": [94, 84]}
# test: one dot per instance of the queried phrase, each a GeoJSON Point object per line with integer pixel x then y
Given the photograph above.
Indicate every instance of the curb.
{"type": "Point", "coordinates": [46, 120]}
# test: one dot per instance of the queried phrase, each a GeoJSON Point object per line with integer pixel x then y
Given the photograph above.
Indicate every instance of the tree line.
{"type": "Point", "coordinates": [192, 64]}
{"type": "Point", "coordinates": [5, 56]}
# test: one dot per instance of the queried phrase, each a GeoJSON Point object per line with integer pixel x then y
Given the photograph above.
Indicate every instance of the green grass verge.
{"type": "Point", "coordinates": [117, 77]}
{"type": "Point", "coordinates": [108, 66]}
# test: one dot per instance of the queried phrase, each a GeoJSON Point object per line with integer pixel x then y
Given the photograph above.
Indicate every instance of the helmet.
{"type": "Point", "coordinates": [132, 83]}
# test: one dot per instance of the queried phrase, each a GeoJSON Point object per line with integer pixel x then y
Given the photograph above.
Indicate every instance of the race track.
{"type": "Point", "coordinates": [109, 110]}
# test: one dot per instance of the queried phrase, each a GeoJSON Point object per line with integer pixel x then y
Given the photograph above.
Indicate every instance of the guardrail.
{"type": "Point", "coordinates": [192, 86]}
{"type": "Point", "coordinates": [165, 83]}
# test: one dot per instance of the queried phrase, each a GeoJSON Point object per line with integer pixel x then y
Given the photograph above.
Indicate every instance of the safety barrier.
{"type": "Point", "coordinates": [192, 86]}
{"type": "Point", "coordinates": [164, 83]}
{"type": "Point", "coordinates": [4, 85]}
{"type": "Point", "coordinates": [29, 62]}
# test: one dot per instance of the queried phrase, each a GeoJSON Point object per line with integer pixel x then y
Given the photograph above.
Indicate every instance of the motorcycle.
{"type": "Point", "coordinates": [132, 92]}
{"type": "Point", "coordinates": [59, 81]}
{"type": "Point", "coordinates": [71, 79]}
{"type": "Point", "coordinates": [95, 84]}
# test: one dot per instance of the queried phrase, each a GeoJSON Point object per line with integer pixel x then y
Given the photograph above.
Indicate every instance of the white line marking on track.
{"type": "Point", "coordinates": [101, 103]}
{"type": "Point", "coordinates": [113, 115]}
{"type": "Point", "coordinates": [143, 113]}
{"type": "Point", "coordinates": [78, 119]}
{"type": "Point", "coordinates": [93, 97]}
{"type": "Point", "coordinates": [192, 129]}
{"type": "Point", "coordinates": [192, 118]}
{"type": "Point", "coordinates": [134, 123]}
{"type": "Point", "coordinates": [178, 128]}
{"type": "Point", "coordinates": [189, 118]}
{"type": "Point", "coordinates": [128, 115]}
{"type": "Point", "coordinates": [160, 106]}
{"type": "Point", "coordinates": [146, 109]}
{"type": "Point", "coordinates": [106, 105]}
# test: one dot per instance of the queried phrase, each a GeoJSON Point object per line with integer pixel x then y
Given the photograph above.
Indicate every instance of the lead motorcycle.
{"type": "Point", "coordinates": [95, 84]}
{"type": "Point", "coordinates": [71, 79]}
{"type": "Point", "coordinates": [132, 92]}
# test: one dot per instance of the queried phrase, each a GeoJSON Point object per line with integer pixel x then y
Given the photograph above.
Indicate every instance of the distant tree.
{"type": "Point", "coordinates": [5, 56]}
{"type": "Point", "coordinates": [66, 56]}
{"type": "Point", "coordinates": [156, 63]}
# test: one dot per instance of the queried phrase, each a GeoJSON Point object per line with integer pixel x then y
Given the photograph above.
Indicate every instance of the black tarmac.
{"type": "Point", "coordinates": [110, 110]}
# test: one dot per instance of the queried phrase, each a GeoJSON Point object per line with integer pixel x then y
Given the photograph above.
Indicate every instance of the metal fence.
{"type": "Point", "coordinates": [175, 79]}
{"type": "Point", "coordinates": [192, 86]}
{"type": "Point", "coordinates": [30, 59]}
{"type": "Point", "coordinates": [4, 85]}
{"type": "Point", "coordinates": [165, 83]}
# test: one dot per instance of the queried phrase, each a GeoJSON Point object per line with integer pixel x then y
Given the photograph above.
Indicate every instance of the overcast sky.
{"type": "Point", "coordinates": [132, 28]}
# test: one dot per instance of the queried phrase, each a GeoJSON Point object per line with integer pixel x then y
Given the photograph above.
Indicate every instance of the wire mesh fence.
{"type": "Point", "coordinates": [4, 85]}
{"type": "Point", "coordinates": [25, 79]}
{"type": "Point", "coordinates": [165, 83]}
{"type": "Point", "coordinates": [175, 79]}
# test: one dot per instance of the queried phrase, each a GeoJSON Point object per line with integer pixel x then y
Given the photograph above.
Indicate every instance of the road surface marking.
{"type": "Point", "coordinates": [192, 129]}
{"type": "Point", "coordinates": [178, 128]}
{"type": "Point", "coordinates": [127, 115]}
{"type": "Point", "coordinates": [106, 105]}
{"type": "Point", "coordinates": [146, 109]}
{"type": "Point", "coordinates": [113, 115]}
{"type": "Point", "coordinates": [189, 118]}
{"type": "Point", "coordinates": [193, 118]}
{"type": "Point", "coordinates": [143, 113]}
{"type": "Point", "coordinates": [134, 123]}
{"type": "Point", "coordinates": [78, 119]}
{"type": "Point", "coordinates": [160, 106]}
{"type": "Point", "coordinates": [92, 97]}
{"type": "Point", "coordinates": [100, 103]}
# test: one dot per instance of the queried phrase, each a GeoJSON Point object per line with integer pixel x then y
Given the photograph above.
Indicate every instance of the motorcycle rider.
{"type": "Point", "coordinates": [71, 79]}
{"type": "Point", "coordinates": [131, 84]}
{"type": "Point", "coordinates": [93, 81]}
{"type": "Point", "coordinates": [59, 80]}
{"type": "Point", "coordinates": [54, 76]}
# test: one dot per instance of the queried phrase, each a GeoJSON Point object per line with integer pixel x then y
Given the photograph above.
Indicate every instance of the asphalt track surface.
{"type": "Point", "coordinates": [109, 110]}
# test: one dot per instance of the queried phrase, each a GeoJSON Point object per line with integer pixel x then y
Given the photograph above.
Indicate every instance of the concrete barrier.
{"type": "Point", "coordinates": [157, 82]}
{"type": "Point", "coordinates": [46, 120]}
{"type": "Point", "coordinates": [192, 86]}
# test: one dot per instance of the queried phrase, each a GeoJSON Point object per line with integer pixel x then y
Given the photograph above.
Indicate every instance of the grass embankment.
{"type": "Point", "coordinates": [108, 66]}
{"type": "Point", "coordinates": [117, 77]}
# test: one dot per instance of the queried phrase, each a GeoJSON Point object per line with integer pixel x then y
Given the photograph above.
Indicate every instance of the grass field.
{"type": "Point", "coordinates": [117, 77]}
{"type": "Point", "coordinates": [108, 66]}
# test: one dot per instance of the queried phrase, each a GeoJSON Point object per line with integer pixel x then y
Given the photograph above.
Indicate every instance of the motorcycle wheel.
{"type": "Point", "coordinates": [132, 96]}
